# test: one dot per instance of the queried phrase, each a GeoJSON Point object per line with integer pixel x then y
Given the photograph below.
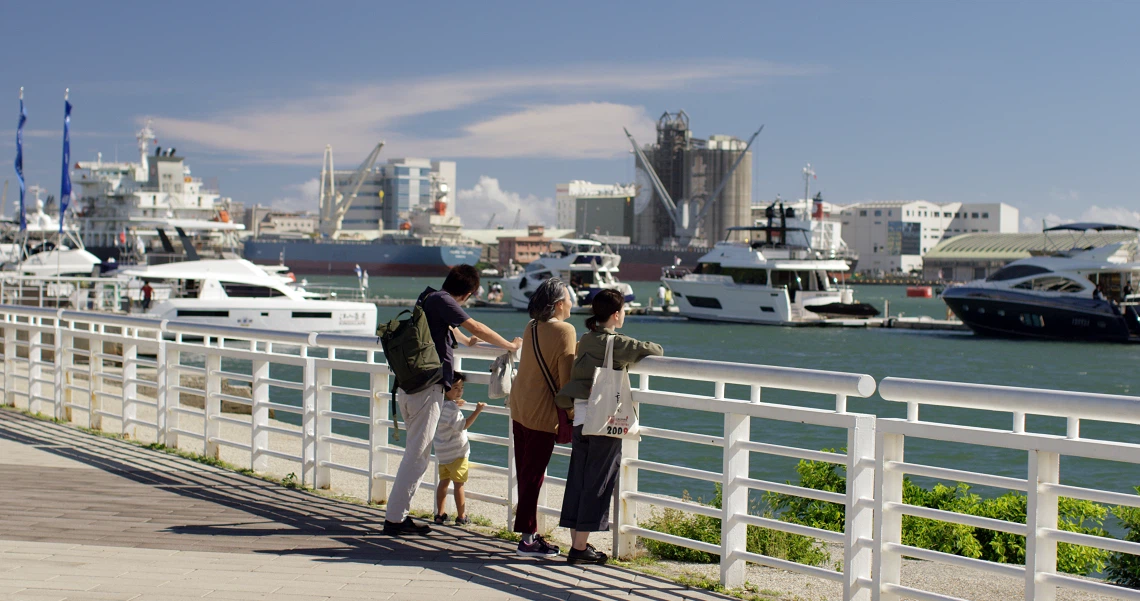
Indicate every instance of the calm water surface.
{"type": "Point", "coordinates": [960, 357]}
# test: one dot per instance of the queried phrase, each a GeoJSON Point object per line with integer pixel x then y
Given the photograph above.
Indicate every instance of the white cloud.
{"type": "Point", "coordinates": [487, 198]}
{"type": "Point", "coordinates": [355, 118]}
{"type": "Point", "coordinates": [1093, 214]}
{"type": "Point", "coordinates": [299, 197]}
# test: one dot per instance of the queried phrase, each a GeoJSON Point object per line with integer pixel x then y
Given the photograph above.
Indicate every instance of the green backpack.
{"type": "Point", "coordinates": [410, 353]}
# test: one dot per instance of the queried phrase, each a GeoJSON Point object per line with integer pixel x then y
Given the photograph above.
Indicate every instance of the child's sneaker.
{"type": "Point", "coordinates": [440, 518]}
{"type": "Point", "coordinates": [538, 548]}
{"type": "Point", "coordinates": [588, 555]}
{"type": "Point", "coordinates": [463, 521]}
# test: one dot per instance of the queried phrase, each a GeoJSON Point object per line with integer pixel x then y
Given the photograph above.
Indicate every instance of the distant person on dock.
{"type": "Point", "coordinates": [1098, 292]}
{"type": "Point", "coordinates": [594, 460]}
{"type": "Point", "coordinates": [479, 293]}
{"type": "Point", "coordinates": [452, 450]}
{"type": "Point", "coordinates": [443, 310]}
{"type": "Point", "coordinates": [147, 295]}
{"type": "Point", "coordinates": [544, 367]}
{"type": "Point", "coordinates": [661, 295]}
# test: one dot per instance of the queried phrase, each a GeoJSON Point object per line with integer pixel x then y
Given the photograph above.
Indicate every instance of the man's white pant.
{"type": "Point", "coordinates": [420, 412]}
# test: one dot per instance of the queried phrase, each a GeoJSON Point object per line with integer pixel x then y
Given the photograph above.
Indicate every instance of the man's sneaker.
{"type": "Point", "coordinates": [538, 548]}
{"type": "Point", "coordinates": [589, 555]}
{"type": "Point", "coordinates": [463, 521]}
{"type": "Point", "coordinates": [405, 527]}
{"type": "Point", "coordinates": [441, 518]}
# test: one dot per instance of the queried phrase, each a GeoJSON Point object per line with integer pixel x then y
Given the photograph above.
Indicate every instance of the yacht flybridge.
{"type": "Point", "coordinates": [769, 275]}
{"type": "Point", "coordinates": [42, 249]}
{"type": "Point", "coordinates": [235, 292]}
{"type": "Point", "coordinates": [588, 266]}
{"type": "Point", "coordinates": [1080, 294]}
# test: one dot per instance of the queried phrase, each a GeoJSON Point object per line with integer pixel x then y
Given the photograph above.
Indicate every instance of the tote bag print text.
{"type": "Point", "coordinates": [612, 410]}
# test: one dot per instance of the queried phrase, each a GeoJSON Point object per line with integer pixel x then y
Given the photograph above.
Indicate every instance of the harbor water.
{"type": "Point", "coordinates": [952, 356]}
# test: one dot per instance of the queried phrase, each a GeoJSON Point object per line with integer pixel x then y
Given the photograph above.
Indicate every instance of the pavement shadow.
{"type": "Point", "coordinates": [333, 530]}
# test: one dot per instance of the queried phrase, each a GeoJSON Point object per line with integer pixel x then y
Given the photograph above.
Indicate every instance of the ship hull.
{"type": "Point", "coordinates": [309, 257]}
{"type": "Point", "coordinates": [1009, 314]}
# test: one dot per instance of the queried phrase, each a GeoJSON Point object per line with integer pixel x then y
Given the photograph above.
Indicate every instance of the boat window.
{"type": "Point", "coordinates": [743, 275]}
{"type": "Point", "coordinates": [704, 302]}
{"type": "Point", "coordinates": [202, 313]}
{"type": "Point", "coordinates": [1015, 271]}
{"type": "Point", "coordinates": [1051, 284]}
{"type": "Point", "coordinates": [249, 291]}
{"type": "Point", "coordinates": [708, 268]}
{"type": "Point", "coordinates": [783, 279]}
{"type": "Point", "coordinates": [821, 280]}
{"type": "Point", "coordinates": [312, 315]}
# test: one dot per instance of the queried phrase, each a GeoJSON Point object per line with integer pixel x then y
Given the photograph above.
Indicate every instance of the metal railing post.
{"type": "Point", "coordinates": [1041, 513]}
{"type": "Point", "coordinates": [62, 395]}
{"type": "Point", "coordinates": [887, 567]}
{"type": "Point", "coordinates": [35, 369]}
{"type": "Point", "coordinates": [94, 377]}
{"type": "Point", "coordinates": [259, 413]}
{"type": "Point", "coordinates": [625, 543]}
{"type": "Point", "coordinates": [734, 499]}
{"type": "Point", "coordinates": [130, 389]}
{"type": "Point", "coordinates": [212, 405]}
{"type": "Point", "coordinates": [859, 518]}
{"type": "Point", "coordinates": [322, 475]}
{"type": "Point", "coordinates": [163, 415]}
{"type": "Point", "coordinates": [378, 440]}
{"type": "Point", "coordinates": [9, 362]}
{"type": "Point", "coordinates": [308, 418]}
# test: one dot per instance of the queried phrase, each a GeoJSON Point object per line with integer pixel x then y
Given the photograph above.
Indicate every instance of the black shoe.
{"type": "Point", "coordinates": [463, 521]}
{"type": "Point", "coordinates": [405, 527]}
{"type": "Point", "coordinates": [441, 518]}
{"type": "Point", "coordinates": [589, 555]}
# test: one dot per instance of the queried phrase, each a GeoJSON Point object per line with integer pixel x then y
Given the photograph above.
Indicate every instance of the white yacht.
{"type": "Point", "coordinates": [43, 250]}
{"type": "Point", "coordinates": [235, 292]}
{"type": "Point", "coordinates": [587, 265]}
{"type": "Point", "coordinates": [766, 278]}
{"type": "Point", "coordinates": [1079, 294]}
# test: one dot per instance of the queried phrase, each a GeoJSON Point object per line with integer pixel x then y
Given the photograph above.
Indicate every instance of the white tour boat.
{"type": "Point", "coordinates": [41, 249]}
{"type": "Point", "coordinates": [235, 292]}
{"type": "Point", "coordinates": [767, 278]}
{"type": "Point", "coordinates": [588, 266]}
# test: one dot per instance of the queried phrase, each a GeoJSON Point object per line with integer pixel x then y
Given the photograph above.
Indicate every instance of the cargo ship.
{"type": "Point", "coordinates": [388, 255]}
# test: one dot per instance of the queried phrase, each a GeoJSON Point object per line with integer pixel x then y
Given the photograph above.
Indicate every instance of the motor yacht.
{"type": "Point", "coordinates": [1080, 294]}
{"type": "Point", "coordinates": [767, 275]}
{"type": "Point", "coordinates": [588, 266]}
{"type": "Point", "coordinates": [236, 292]}
{"type": "Point", "coordinates": [42, 249]}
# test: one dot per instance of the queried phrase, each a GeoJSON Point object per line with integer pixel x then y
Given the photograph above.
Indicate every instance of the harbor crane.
{"type": "Point", "coordinates": [334, 205]}
{"type": "Point", "coordinates": [518, 219]}
{"type": "Point", "coordinates": [490, 221]}
{"type": "Point", "coordinates": [685, 225]}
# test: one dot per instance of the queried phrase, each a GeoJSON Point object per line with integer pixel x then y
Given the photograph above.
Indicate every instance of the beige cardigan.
{"type": "Point", "coordinates": [532, 404]}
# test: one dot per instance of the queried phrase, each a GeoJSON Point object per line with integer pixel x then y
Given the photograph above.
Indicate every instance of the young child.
{"type": "Point", "coordinates": [452, 449]}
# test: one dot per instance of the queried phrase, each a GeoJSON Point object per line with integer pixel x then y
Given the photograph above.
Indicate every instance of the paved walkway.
{"type": "Point", "coordinates": [85, 517]}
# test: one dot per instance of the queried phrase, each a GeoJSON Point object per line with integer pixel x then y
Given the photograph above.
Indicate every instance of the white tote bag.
{"type": "Point", "coordinates": [502, 376]}
{"type": "Point", "coordinates": [612, 411]}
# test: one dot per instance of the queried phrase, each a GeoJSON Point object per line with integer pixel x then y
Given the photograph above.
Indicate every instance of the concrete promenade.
{"type": "Point", "coordinates": [86, 517]}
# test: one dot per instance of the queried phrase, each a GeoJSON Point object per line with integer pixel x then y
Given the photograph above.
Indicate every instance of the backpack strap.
{"type": "Point", "coordinates": [541, 361]}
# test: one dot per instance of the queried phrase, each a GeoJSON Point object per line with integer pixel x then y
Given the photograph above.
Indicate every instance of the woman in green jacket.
{"type": "Point", "coordinates": [594, 460]}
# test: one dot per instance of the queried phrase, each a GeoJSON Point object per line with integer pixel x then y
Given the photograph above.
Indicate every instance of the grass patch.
{"type": "Point", "coordinates": [507, 535]}
{"type": "Point", "coordinates": [748, 592]}
{"type": "Point", "coordinates": [483, 521]}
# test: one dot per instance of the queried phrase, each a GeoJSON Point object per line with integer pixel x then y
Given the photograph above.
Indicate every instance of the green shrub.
{"type": "Point", "coordinates": [763, 541]}
{"type": "Point", "coordinates": [1124, 568]}
{"type": "Point", "coordinates": [1075, 515]}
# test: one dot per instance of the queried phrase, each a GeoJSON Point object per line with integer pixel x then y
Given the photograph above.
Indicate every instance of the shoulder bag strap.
{"type": "Point", "coordinates": [541, 361]}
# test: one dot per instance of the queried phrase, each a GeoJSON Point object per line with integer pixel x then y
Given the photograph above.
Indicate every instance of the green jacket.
{"type": "Point", "coordinates": [591, 355]}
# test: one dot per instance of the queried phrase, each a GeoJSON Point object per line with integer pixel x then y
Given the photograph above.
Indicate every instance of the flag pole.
{"type": "Point", "coordinates": [23, 239]}
{"type": "Point", "coordinates": [64, 192]}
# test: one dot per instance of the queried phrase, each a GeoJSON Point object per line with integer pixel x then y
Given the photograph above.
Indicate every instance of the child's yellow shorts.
{"type": "Point", "coordinates": [456, 471]}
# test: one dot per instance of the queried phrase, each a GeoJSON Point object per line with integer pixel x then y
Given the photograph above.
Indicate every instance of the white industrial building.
{"type": "Point", "coordinates": [566, 198]}
{"type": "Point", "coordinates": [893, 236]}
{"type": "Point", "coordinates": [406, 184]}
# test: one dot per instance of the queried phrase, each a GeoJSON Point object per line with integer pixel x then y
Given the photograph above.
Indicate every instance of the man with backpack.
{"type": "Point", "coordinates": [443, 312]}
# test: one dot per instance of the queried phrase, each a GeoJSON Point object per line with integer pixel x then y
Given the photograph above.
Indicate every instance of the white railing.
{"type": "Point", "coordinates": [140, 376]}
{"type": "Point", "coordinates": [1042, 485]}
{"type": "Point", "coordinates": [82, 293]}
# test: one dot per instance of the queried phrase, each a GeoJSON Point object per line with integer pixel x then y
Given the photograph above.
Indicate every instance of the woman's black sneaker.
{"type": "Point", "coordinates": [405, 527]}
{"type": "Point", "coordinates": [588, 555]}
{"type": "Point", "coordinates": [538, 548]}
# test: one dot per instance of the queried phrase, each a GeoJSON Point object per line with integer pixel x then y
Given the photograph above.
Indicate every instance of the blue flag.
{"type": "Point", "coordinates": [20, 160]}
{"type": "Point", "coordinates": [65, 182]}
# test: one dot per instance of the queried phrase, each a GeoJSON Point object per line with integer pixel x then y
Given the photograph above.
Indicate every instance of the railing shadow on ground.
{"type": "Point", "coordinates": [355, 529]}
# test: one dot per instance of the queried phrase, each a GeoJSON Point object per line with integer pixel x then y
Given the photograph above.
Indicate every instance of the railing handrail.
{"type": "Point", "coordinates": [989, 397]}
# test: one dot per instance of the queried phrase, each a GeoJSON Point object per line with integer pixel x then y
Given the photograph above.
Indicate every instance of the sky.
{"type": "Point", "coordinates": [1029, 103]}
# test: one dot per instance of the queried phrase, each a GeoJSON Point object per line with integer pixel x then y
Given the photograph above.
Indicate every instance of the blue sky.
{"type": "Point", "coordinates": [1033, 104]}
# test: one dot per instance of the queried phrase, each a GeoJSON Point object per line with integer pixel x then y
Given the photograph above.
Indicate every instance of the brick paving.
{"type": "Point", "coordinates": [86, 517]}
